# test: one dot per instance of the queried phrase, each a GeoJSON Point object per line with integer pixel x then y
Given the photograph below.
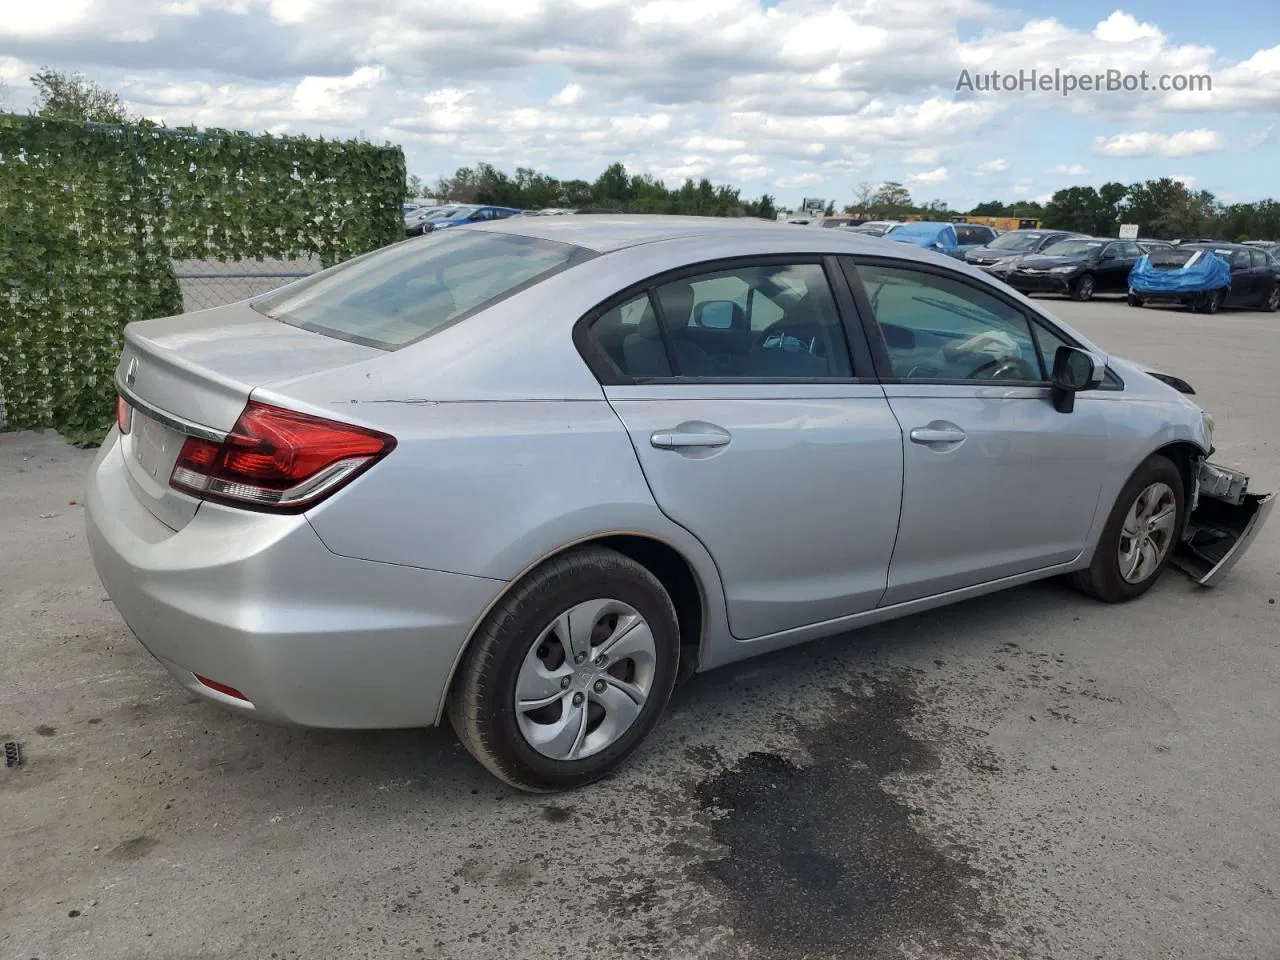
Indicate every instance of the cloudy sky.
{"type": "Point", "coordinates": [790, 97]}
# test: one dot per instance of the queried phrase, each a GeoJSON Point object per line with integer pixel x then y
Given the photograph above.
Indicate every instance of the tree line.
{"type": "Point", "coordinates": [1163, 208]}
{"type": "Point", "coordinates": [614, 189]}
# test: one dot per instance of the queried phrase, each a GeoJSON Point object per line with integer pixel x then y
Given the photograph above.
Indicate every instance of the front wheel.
{"type": "Point", "coordinates": [1272, 303]}
{"type": "Point", "coordinates": [1133, 300]}
{"type": "Point", "coordinates": [1140, 535]}
{"type": "Point", "coordinates": [569, 673]}
{"type": "Point", "coordinates": [1083, 290]}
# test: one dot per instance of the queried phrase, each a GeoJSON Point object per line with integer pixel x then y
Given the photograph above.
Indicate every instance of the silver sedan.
{"type": "Point", "coordinates": [530, 473]}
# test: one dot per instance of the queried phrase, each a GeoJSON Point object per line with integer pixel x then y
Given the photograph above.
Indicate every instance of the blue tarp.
{"type": "Point", "coordinates": [1205, 272]}
{"type": "Point", "coordinates": [927, 234]}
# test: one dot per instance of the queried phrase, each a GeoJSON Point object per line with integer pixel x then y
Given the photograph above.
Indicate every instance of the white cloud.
{"type": "Point", "coordinates": [923, 156]}
{"type": "Point", "coordinates": [999, 165]}
{"type": "Point", "coordinates": [1069, 170]}
{"type": "Point", "coordinates": [800, 180]}
{"type": "Point", "coordinates": [809, 89]}
{"type": "Point", "coordinates": [1187, 143]}
{"type": "Point", "coordinates": [936, 175]}
{"type": "Point", "coordinates": [567, 97]}
{"type": "Point", "coordinates": [1187, 181]}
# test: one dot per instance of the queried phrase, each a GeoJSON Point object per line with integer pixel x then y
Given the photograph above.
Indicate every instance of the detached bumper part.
{"type": "Point", "coordinates": [1225, 519]}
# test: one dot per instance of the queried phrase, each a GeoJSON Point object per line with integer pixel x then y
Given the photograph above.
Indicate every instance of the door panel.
{"type": "Point", "coordinates": [799, 508]}
{"type": "Point", "coordinates": [997, 483]}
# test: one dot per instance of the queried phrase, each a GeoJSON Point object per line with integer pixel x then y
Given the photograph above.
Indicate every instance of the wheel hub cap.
{"type": "Point", "coordinates": [1148, 533]}
{"type": "Point", "coordinates": [585, 679]}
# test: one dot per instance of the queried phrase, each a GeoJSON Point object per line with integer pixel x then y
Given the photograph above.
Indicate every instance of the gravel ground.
{"type": "Point", "coordinates": [1030, 775]}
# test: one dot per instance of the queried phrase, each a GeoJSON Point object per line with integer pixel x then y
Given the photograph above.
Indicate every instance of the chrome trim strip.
{"type": "Point", "coordinates": [168, 419]}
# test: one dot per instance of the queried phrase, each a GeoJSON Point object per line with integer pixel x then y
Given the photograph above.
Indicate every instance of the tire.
{"type": "Point", "coordinates": [1105, 577]}
{"type": "Point", "coordinates": [1084, 288]}
{"type": "Point", "coordinates": [1271, 303]}
{"type": "Point", "coordinates": [518, 642]}
{"type": "Point", "coordinates": [1133, 300]}
{"type": "Point", "coordinates": [1213, 302]}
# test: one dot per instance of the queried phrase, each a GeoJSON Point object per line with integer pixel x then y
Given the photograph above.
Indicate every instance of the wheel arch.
{"type": "Point", "coordinates": [690, 594]}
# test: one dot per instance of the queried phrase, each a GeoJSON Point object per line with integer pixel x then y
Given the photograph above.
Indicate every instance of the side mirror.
{"type": "Point", "coordinates": [715, 314]}
{"type": "Point", "coordinates": [1074, 370]}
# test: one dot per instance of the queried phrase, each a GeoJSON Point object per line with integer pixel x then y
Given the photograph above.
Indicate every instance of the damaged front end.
{"type": "Point", "coordinates": [1224, 519]}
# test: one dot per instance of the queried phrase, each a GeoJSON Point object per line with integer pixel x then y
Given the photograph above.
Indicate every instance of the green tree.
{"type": "Point", "coordinates": [70, 96]}
{"type": "Point", "coordinates": [1080, 209]}
{"type": "Point", "coordinates": [891, 199]}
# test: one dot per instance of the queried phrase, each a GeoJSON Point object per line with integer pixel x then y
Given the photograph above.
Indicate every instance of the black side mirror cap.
{"type": "Point", "coordinates": [1074, 370]}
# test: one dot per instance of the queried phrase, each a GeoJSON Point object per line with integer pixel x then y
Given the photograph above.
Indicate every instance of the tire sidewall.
{"type": "Point", "coordinates": [496, 705]}
{"type": "Point", "coordinates": [1084, 288]}
{"type": "Point", "coordinates": [1106, 562]}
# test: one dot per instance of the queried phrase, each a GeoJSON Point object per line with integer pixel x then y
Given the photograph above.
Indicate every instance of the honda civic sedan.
{"type": "Point", "coordinates": [528, 474]}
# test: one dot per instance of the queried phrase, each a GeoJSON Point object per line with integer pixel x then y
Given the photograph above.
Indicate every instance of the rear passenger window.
{"type": "Point", "coordinates": [1259, 258]}
{"type": "Point", "coordinates": [767, 322]}
{"type": "Point", "coordinates": [759, 323]}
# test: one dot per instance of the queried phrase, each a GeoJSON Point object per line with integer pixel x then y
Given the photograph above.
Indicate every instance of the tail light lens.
{"type": "Point", "coordinates": [124, 414]}
{"type": "Point", "coordinates": [277, 460]}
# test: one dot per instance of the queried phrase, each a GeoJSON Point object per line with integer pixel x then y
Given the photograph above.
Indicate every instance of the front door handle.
{"type": "Point", "coordinates": [679, 439]}
{"type": "Point", "coordinates": [937, 435]}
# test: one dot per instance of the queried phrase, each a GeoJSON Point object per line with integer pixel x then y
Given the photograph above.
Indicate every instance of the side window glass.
{"type": "Point", "coordinates": [630, 336]}
{"type": "Point", "coordinates": [1240, 259]}
{"type": "Point", "coordinates": [767, 322]}
{"type": "Point", "coordinates": [1259, 258]}
{"type": "Point", "coordinates": [1049, 343]}
{"type": "Point", "coordinates": [936, 328]}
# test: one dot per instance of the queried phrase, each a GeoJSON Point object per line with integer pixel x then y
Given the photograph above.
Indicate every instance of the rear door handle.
{"type": "Point", "coordinates": [676, 440]}
{"type": "Point", "coordinates": [937, 436]}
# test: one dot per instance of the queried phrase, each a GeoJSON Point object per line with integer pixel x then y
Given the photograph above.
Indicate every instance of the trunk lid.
{"type": "Point", "coordinates": [192, 375]}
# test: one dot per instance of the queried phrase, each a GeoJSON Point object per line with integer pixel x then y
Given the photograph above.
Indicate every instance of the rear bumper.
{"type": "Point", "coordinates": [257, 602]}
{"type": "Point", "coordinates": [1225, 520]}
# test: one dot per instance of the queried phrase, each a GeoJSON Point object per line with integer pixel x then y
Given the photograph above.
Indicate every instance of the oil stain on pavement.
{"type": "Point", "coordinates": [821, 859]}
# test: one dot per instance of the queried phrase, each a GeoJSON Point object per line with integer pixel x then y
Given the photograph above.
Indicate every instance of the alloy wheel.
{"type": "Point", "coordinates": [1148, 532]}
{"type": "Point", "coordinates": [585, 679]}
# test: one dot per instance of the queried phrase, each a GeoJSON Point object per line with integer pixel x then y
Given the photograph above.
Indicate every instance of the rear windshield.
{"type": "Point", "coordinates": [402, 293]}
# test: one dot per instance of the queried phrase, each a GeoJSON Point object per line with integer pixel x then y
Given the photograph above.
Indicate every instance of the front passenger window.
{"type": "Point", "coordinates": [936, 328]}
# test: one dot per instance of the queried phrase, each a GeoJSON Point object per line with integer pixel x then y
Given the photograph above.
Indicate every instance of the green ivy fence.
{"type": "Point", "coordinates": [92, 215]}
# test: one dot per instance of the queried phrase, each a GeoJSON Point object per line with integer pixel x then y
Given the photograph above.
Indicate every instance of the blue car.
{"type": "Point", "coordinates": [459, 215]}
{"type": "Point", "coordinates": [928, 234]}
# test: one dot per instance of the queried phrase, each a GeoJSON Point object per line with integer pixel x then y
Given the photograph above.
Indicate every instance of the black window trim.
{"type": "Point", "coordinates": [880, 354]}
{"type": "Point", "coordinates": [608, 373]}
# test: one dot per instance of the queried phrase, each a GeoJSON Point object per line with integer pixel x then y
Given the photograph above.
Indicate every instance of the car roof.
{"type": "Point", "coordinates": [609, 232]}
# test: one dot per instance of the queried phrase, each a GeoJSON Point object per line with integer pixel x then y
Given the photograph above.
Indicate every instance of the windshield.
{"type": "Point", "coordinates": [1016, 241]}
{"type": "Point", "coordinates": [914, 231]}
{"type": "Point", "coordinates": [394, 296]}
{"type": "Point", "coordinates": [1072, 248]}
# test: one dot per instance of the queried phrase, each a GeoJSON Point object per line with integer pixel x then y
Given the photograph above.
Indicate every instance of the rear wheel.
{"type": "Point", "coordinates": [568, 673]}
{"type": "Point", "coordinates": [1133, 300]}
{"type": "Point", "coordinates": [1272, 303]}
{"type": "Point", "coordinates": [1212, 301]}
{"type": "Point", "coordinates": [1140, 535]}
{"type": "Point", "coordinates": [1083, 290]}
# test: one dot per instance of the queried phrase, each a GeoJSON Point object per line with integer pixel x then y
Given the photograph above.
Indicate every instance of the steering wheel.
{"type": "Point", "coordinates": [1001, 368]}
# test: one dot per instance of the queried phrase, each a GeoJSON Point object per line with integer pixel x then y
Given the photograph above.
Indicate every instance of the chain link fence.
{"type": "Point", "coordinates": [215, 283]}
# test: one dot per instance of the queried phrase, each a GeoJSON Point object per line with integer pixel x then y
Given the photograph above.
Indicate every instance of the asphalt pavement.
{"type": "Point", "coordinates": [1029, 775]}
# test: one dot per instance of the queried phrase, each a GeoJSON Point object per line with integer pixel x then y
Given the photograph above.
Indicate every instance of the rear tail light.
{"type": "Point", "coordinates": [220, 687]}
{"type": "Point", "coordinates": [277, 460]}
{"type": "Point", "coordinates": [124, 414]}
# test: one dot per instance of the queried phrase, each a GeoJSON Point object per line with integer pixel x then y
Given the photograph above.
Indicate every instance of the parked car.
{"type": "Point", "coordinates": [528, 474]}
{"type": "Point", "coordinates": [1207, 277]}
{"type": "Point", "coordinates": [420, 220]}
{"type": "Point", "coordinates": [1150, 246]}
{"type": "Point", "coordinates": [840, 220]}
{"type": "Point", "coordinates": [461, 215]}
{"type": "Point", "coordinates": [1015, 243]}
{"type": "Point", "coordinates": [1270, 246]}
{"type": "Point", "coordinates": [972, 236]}
{"type": "Point", "coordinates": [927, 234]}
{"type": "Point", "coordinates": [1078, 267]}
{"type": "Point", "coordinates": [875, 228]}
